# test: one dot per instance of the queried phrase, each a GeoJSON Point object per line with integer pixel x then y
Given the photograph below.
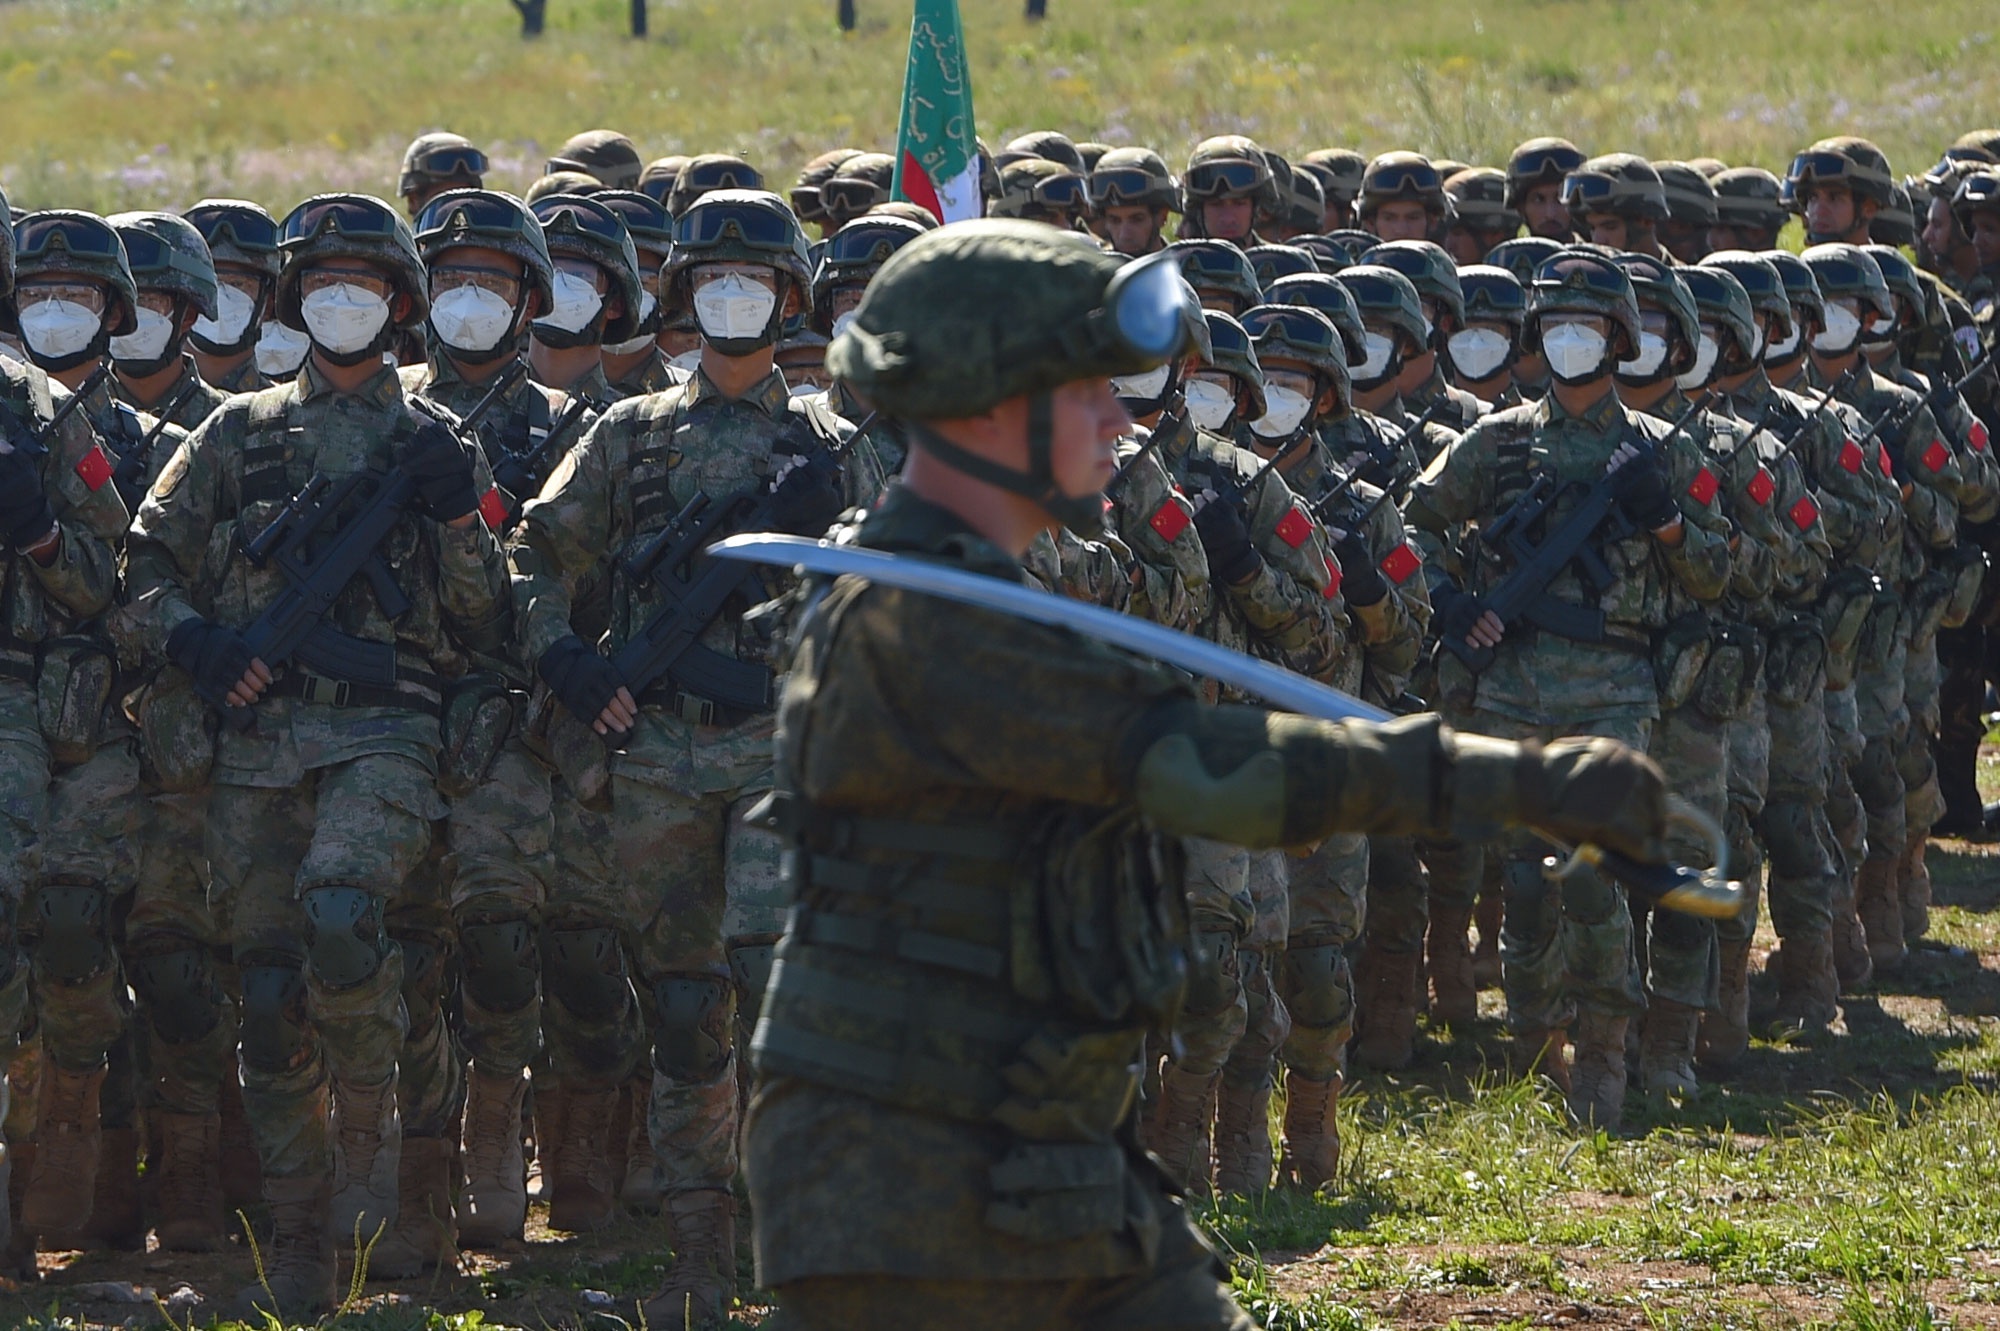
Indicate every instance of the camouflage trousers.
{"type": "Point", "coordinates": [24, 791]}
{"type": "Point", "coordinates": [1845, 815]}
{"type": "Point", "coordinates": [1565, 944]}
{"type": "Point", "coordinates": [364, 823]}
{"type": "Point", "coordinates": [1679, 950]}
{"type": "Point", "coordinates": [1217, 1010]}
{"type": "Point", "coordinates": [1329, 904]}
{"type": "Point", "coordinates": [1800, 853]}
{"type": "Point", "coordinates": [1916, 763]}
{"type": "Point", "coordinates": [1884, 717]}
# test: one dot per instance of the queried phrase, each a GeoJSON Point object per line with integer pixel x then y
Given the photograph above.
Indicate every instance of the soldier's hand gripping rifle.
{"type": "Point", "coordinates": [37, 443]}
{"type": "Point", "coordinates": [520, 472]}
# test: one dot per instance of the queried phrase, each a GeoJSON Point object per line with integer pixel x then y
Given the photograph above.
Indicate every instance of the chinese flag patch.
{"type": "Point", "coordinates": [1804, 513]}
{"type": "Point", "coordinates": [1850, 458]}
{"type": "Point", "coordinates": [1170, 520]}
{"type": "Point", "coordinates": [1703, 487]}
{"type": "Point", "coordinates": [95, 468]}
{"type": "Point", "coordinates": [1761, 487]}
{"type": "Point", "coordinates": [1332, 588]}
{"type": "Point", "coordinates": [1882, 460]}
{"type": "Point", "coordinates": [1294, 527]}
{"type": "Point", "coordinates": [1399, 564]}
{"type": "Point", "coordinates": [1977, 435]}
{"type": "Point", "coordinates": [493, 507]}
{"type": "Point", "coordinates": [1936, 455]}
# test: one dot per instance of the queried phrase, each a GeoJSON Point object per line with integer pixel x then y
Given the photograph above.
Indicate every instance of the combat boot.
{"type": "Point", "coordinates": [1490, 913]}
{"type": "Point", "coordinates": [1913, 887]}
{"type": "Point", "coordinates": [639, 1189]}
{"type": "Point", "coordinates": [1388, 1016]}
{"type": "Point", "coordinates": [69, 1143]}
{"type": "Point", "coordinates": [1541, 1052]}
{"type": "Point", "coordinates": [242, 1173]}
{"type": "Point", "coordinates": [423, 1237]}
{"type": "Point", "coordinates": [1243, 1136]}
{"type": "Point", "coordinates": [1881, 913]}
{"type": "Point", "coordinates": [546, 1127]}
{"type": "Point", "coordinates": [1666, 1049]}
{"type": "Point", "coordinates": [117, 1221]}
{"type": "Point", "coordinates": [1597, 1081]}
{"type": "Point", "coordinates": [701, 1284]}
{"type": "Point", "coordinates": [187, 1187]}
{"type": "Point", "coordinates": [1175, 1131]}
{"type": "Point", "coordinates": [494, 1204]}
{"type": "Point", "coordinates": [367, 1151]}
{"type": "Point", "coordinates": [1852, 964]}
{"type": "Point", "coordinates": [297, 1263]}
{"type": "Point", "coordinates": [581, 1198]}
{"type": "Point", "coordinates": [1808, 982]}
{"type": "Point", "coordinates": [1448, 959]}
{"type": "Point", "coordinates": [1725, 1028]}
{"type": "Point", "coordinates": [1312, 1137]}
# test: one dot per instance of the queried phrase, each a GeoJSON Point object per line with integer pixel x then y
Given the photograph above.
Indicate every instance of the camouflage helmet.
{"type": "Point", "coordinates": [1281, 187]}
{"type": "Point", "coordinates": [1133, 178]}
{"type": "Point", "coordinates": [1749, 196]}
{"type": "Point", "coordinates": [1985, 140]}
{"type": "Point", "coordinates": [645, 217]}
{"type": "Point", "coordinates": [1051, 145]}
{"type": "Point", "coordinates": [1493, 295]}
{"type": "Point", "coordinates": [1801, 287]}
{"type": "Point", "coordinates": [1354, 241]}
{"type": "Point", "coordinates": [1229, 166]}
{"type": "Point", "coordinates": [1032, 184]}
{"type": "Point", "coordinates": [1522, 255]}
{"type": "Point", "coordinates": [1978, 192]}
{"type": "Point", "coordinates": [1710, 167]}
{"type": "Point", "coordinates": [238, 231]}
{"type": "Point", "coordinates": [70, 242]}
{"type": "Point", "coordinates": [1217, 266]}
{"type": "Point", "coordinates": [1447, 167]}
{"type": "Point", "coordinates": [1900, 275]}
{"type": "Point", "coordinates": [1329, 254]}
{"type": "Point", "coordinates": [739, 226]}
{"type": "Point", "coordinates": [604, 154]}
{"type": "Point", "coordinates": [1092, 152]}
{"type": "Point", "coordinates": [712, 171]}
{"type": "Point", "coordinates": [167, 253]}
{"type": "Point", "coordinates": [656, 182]}
{"type": "Point", "coordinates": [856, 185]}
{"type": "Point", "coordinates": [491, 220]}
{"type": "Point", "coordinates": [1405, 176]}
{"type": "Point", "coordinates": [440, 158]}
{"type": "Point", "coordinates": [1384, 293]}
{"type": "Point", "coordinates": [1431, 271]}
{"type": "Point", "coordinates": [1660, 283]}
{"type": "Point", "coordinates": [1544, 161]}
{"type": "Point", "coordinates": [1721, 300]}
{"type": "Point", "coordinates": [1320, 292]}
{"type": "Point", "coordinates": [1690, 198]}
{"type": "Point", "coordinates": [1845, 160]}
{"type": "Point", "coordinates": [1479, 197]}
{"type": "Point", "coordinates": [1339, 171]}
{"type": "Point", "coordinates": [1271, 262]}
{"type": "Point", "coordinates": [805, 196]}
{"type": "Point", "coordinates": [927, 341]}
{"type": "Point", "coordinates": [576, 184]}
{"type": "Point", "coordinates": [853, 254]}
{"type": "Point", "coordinates": [918, 216]}
{"type": "Point", "coordinates": [350, 226]}
{"type": "Point", "coordinates": [1843, 270]}
{"type": "Point", "coordinates": [1283, 331]}
{"type": "Point", "coordinates": [1578, 281]}
{"type": "Point", "coordinates": [1305, 201]}
{"type": "Point", "coordinates": [1232, 352]}
{"type": "Point", "coordinates": [579, 227]}
{"type": "Point", "coordinates": [1896, 223]}
{"type": "Point", "coordinates": [1760, 281]}
{"type": "Point", "coordinates": [1622, 184]}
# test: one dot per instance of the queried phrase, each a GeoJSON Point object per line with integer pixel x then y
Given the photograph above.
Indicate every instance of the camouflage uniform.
{"type": "Point", "coordinates": [203, 397]}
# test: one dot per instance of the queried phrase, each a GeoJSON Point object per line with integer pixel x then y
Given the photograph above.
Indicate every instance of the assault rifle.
{"type": "Point", "coordinates": [1383, 460]}
{"type": "Point", "coordinates": [1523, 592]}
{"type": "Point", "coordinates": [1895, 418]}
{"type": "Point", "coordinates": [1792, 438]}
{"type": "Point", "coordinates": [519, 472]}
{"type": "Point", "coordinates": [37, 444]}
{"type": "Point", "coordinates": [130, 472]}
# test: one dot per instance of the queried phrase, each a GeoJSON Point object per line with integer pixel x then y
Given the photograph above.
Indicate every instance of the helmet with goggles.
{"type": "Point", "coordinates": [1339, 172]}
{"type": "Point", "coordinates": [1900, 276]}
{"type": "Point", "coordinates": [487, 219]}
{"type": "Point", "coordinates": [657, 180]}
{"type": "Point", "coordinates": [856, 185]}
{"type": "Point", "coordinates": [1579, 282]}
{"type": "Point", "coordinates": [1721, 300]}
{"type": "Point", "coordinates": [1271, 262]}
{"type": "Point", "coordinates": [805, 196]}
{"type": "Point", "coordinates": [1659, 284]}
{"type": "Point", "coordinates": [166, 253]}
{"type": "Point", "coordinates": [1231, 352]}
{"type": "Point", "coordinates": [1305, 202]}
{"type": "Point", "coordinates": [64, 242]}
{"type": "Point", "coordinates": [853, 256]}
{"type": "Point", "coordinates": [575, 227]}
{"type": "Point", "coordinates": [1690, 196]}
{"type": "Point", "coordinates": [1844, 160]}
{"type": "Point", "coordinates": [1845, 271]}
{"type": "Point", "coordinates": [1431, 271]}
{"type": "Point", "coordinates": [1216, 267]}
{"type": "Point", "coordinates": [1978, 192]}
{"type": "Point", "coordinates": [739, 226]}
{"type": "Point", "coordinates": [1801, 287]}
{"type": "Point", "coordinates": [1522, 255]}
{"type": "Point", "coordinates": [1229, 166]}
{"type": "Point", "coordinates": [440, 158]}
{"type": "Point", "coordinates": [1403, 177]}
{"type": "Point", "coordinates": [1544, 161]}
{"type": "Point", "coordinates": [1896, 223]}
{"type": "Point", "coordinates": [1386, 296]}
{"type": "Point", "coordinates": [1050, 144]}
{"type": "Point", "coordinates": [1133, 178]}
{"type": "Point", "coordinates": [1749, 196]}
{"type": "Point", "coordinates": [1621, 184]}
{"type": "Point", "coordinates": [603, 154]}
{"type": "Point", "coordinates": [1319, 291]}
{"type": "Point", "coordinates": [1762, 284]}
{"type": "Point", "coordinates": [1299, 334]}
{"type": "Point", "coordinates": [1037, 189]}
{"type": "Point", "coordinates": [1492, 295]}
{"type": "Point", "coordinates": [1479, 199]}
{"type": "Point", "coordinates": [713, 171]}
{"type": "Point", "coordinates": [238, 231]}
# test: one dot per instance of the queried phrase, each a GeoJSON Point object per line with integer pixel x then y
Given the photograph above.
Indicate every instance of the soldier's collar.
{"type": "Point", "coordinates": [1602, 414]}
{"type": "Point", "coordinates": [903, 522]}
{"type": "Point", "coordinates": [382, 388]}
{"type": "Point", "coordinates": [769, 395]}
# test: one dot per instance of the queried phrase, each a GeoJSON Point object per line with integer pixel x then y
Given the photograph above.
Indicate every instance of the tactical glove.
{"type": "Point", "coordinates": [25, 515]}
{"type": "Point", "coordinates": [1595, 790]}
{"type": "Point", "coordinates": [1454, 612]}
{"type": "Point", "coordinates": [1226, 538]}
{"type": "Point", "coordinates": [1361, 580]}
{"type": "Point", "coordinates": [809, 499]}
{"type": "Point", "coordinates": [442, 467]}
{"type": "Point", "coordinates": [582, 680]}
{"type": "Point", "coordinates": [1640, 487]}
{"type": "Point", "coordinates": [215, 655]}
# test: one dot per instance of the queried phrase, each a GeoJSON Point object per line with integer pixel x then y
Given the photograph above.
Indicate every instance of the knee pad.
{"type": "Point", "coordinates": [1791, 842]}
{"type": "Point", "coordinates": [500, 964]}
{"type": "Point", "coordinates": [1317, 986]}
{"type": "Point", "coordinates": [274, 1015]}
{"type": "Point", "coordinates": [585, 970]}
{"type": "Point", "coordinates": [178, 989]}
{"type": "Point", "coordinates": [694, 1012]}
{"type": "Point", "coordinates": [750, 961]}
{"type": "Point", "coordinates": [1213, 981]}
{"type": "Point", "coordinates": [424, 960]}
{"type": "Point", "coordinates": [1533, 905]}
{"type": "Point", "coordinates": [345, 943]}
{"type": "Point", "coordinates": [73, 924]}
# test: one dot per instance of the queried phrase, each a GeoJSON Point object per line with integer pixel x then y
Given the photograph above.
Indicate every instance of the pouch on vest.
{"type": "Point", "coordinates": [1679, 656]}
{"type": "Point", "coordinates": [1843, 612]}
{"type": "Point", "coordinates": [72, 688]}
{"type": "Point", "coordinates": [1733, 673]}
{"type": "Point", "coordinates": [478, 714]}
{"type": "Point", "coordinates": [1929, 601]}
{"type": "Point", "coordinates": [1794, 661]}
{"type": "Point", "coordinates": [176, 732]}
{"type": "Point", "coordinates": [1049, 1193]}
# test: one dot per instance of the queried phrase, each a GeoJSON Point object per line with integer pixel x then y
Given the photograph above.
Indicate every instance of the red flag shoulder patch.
{"type": "Point", "coordinates": [1850, 458]}
{"type": "Point", "coordinates": [1294, 527]}
{"type": "Point", "coordinates": [1762, 486]}
{"type": "Point", "coordinates": [1400, 563]}
{"type": "Point", "coordinates": [1977, 436]}
{"type": "Point", "coordinates": [1882, 460]}
{"type": "Point", "coordinates": [1936, 455]}
{"type": "Point", "coordinates": [1703, 487]}
{"type": "Point", "coordinates": [95, 468]}
{"type": "Point", "coordinates": [493, 507]}
{"type": "Point", "coordinates": [1169, 520]}
{"type": "Point", "coordinates": [1804, 513]}
{"type": "Point", "coordinates": [1333, 575]}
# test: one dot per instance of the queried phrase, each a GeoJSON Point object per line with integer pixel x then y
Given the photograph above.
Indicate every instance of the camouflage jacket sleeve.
{"type": "Point", "coordinates": [1700, 564]}
{"type": "Point", "coordinates": [1933, 477]}
{"type": "Point", "coordinates": [1391, 631]}
{"type": "Point", "coordinates": [1747, 490]}
{"type": "Point", "coordinates": [1157, 522]}
{"type": "Point", "coordinates": [1087, 570]}
{"type": "Point", "coordinates": [472, 572]}
{"type": "Point", "coordinates": [567, 531]}
{"type": "Point", "coordinates": [83, 575]}
{"type": "Point", "coordinates": [1292, 602]}
{"type": "Point", "coordinates": [177, 520]}
{"type": "Point", "coordinates": [1809, 554]}
{"type": "Point", "coordinates": [1978, 492]}
{"type": "Point", "coordinates": [1849, 505]}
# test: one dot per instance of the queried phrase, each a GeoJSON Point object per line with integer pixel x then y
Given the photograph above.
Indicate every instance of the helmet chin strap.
{"type": "Point", "coordinates": [1083, 514]}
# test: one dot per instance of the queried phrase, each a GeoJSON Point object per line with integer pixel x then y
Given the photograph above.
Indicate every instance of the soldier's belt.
{"type": "Point", "coordinates": [693, 709]}
{"type": "Point", "coordinates": [414, 696]}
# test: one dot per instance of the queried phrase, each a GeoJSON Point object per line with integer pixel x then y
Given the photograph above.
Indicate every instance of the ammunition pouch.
{"type": "Point", "coordinates": [72, 688]}
{"type": "Point", "coordinates": [479, 714]}
{"type": "Point", "coordinates": [1734, 671]}
{"type": "Point", "coordinates": [1878, 635]}
{"type": "Point", "coordinates": [1966, 566]}
{"type": "Point", "coordinates": [1929, 600]}
{"type": "Point", "coordinates": [1680, 655]}
{"type": "Point", "coordinates": [176, 732]}
{"type": "Point", "coordinates": [1844, 607]}
{"type": "Point", "coordinates": [1794, 661]}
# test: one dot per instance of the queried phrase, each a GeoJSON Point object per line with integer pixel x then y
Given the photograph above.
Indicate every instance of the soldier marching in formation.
{"type": "Point", "coordinates": [402, 804]}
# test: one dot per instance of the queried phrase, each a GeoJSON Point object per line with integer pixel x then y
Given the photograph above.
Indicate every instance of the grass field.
{"type": "Point", "coordinates": [128, 103]}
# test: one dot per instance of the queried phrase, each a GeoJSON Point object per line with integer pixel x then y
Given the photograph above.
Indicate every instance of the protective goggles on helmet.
{"type": "Point", "coordinates": [1298, 329]}
{"type": "Point", "coordinates": [1980, 190]}
{"type": "Point", "coordinates": [1586, 273]}
{"type": "Point", "coordinates": [1066, 191]}
{"type": "Point", "coordinates": [1840, 275]}
{"type": "Point", "coordinates": [1810, 166]}
{"type": "Point", "coordinates": [1954, 161]}
{"type": "Point", "coordinates": [1143, 317]}
{"type": "Point", "coordinates": [1551, 163]}
{"type": "Point", "coordinates": [851, 194]}
{"type": "Point", "coordinates": [1214, 180]}
{"type": "Point", "coordinates": [659, 187]}
{"type": "Point", "coordinates": [862, 244]}
{"type": "Point", "coordinates": [1206, 266]}
{"type": "Point", "coordinates": [35, 237]}
{"type": "Point", "coordinates": [349, 217]}
{"type": "Point", "coordinates": [1122, 186]}
{"type": "Point", "coordinates": [1371, 292]}
{"type": "Point", "coordinates": [250, 230]}
{"type": "Point", "coordinates": [1411, 178]}
{"type": "Point", "coordinates": [707, 224]}
{"type": "Point", "coordinates": [558, 215]}
{"type": "Point", "coordinates": [450, 160]}
{"type": "Point", "coordinates": [705, 176]}
{"type": "Point", "coordinates": [1584, 188]}
{"type": "Point", "coordinates": [805, 201]}
{"type": "Point", "coordinates": [150, 256]}
{"type": "Point", "coordinates": [473, 212]}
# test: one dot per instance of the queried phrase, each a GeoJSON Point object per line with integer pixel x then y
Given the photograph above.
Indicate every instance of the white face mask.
{"type": "Point", "coordinates": [470, 318]}
{"type": "Point", "coordinates": [280, 350]}
{"type": "Point", "coordinates": [1703, 368]}
{"type": "Point", "coordinates": [1784, 349]}
{"type": "Point", "coordinates": [1575, 352]}
{"type": "Point", "coordinates": [234, 311]}
{"type": "Point", "coordinates": [1756, 342]}
{"type": "Point", "coordinates": [1379, 350]}
{"type": "Point", "coordinates": [648, 302]}
{"type": "Point", "coordinates": [577, 303]}
{"type": "Point", "coordinates": [58, 328]}
{"type": "Point", "coordinates": [631, 348]}
{"type": "Point", "coordinates": [1478, 353]}
{"type": "Point", "coordinates": [687, 360]}
{"type": "Point", "coordinates": [732, 307]}
{"type": "Point", "coordinates": [344, 318]}
{"type": "Point", "coordinates": [1145, 387]}
{"type": "Point", "coordinates": [1652, 354]}
{"type": "Point", "coordinates": [1284, 410]}
{"type": "Point", "coordinates": [1209, 405]}
{"type": "Point", "coordinates": [148, 341]}
{"type": "Point", "coordinates": [841, 321]}
{"type": "Point", "coordinates": [1842, 327]}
